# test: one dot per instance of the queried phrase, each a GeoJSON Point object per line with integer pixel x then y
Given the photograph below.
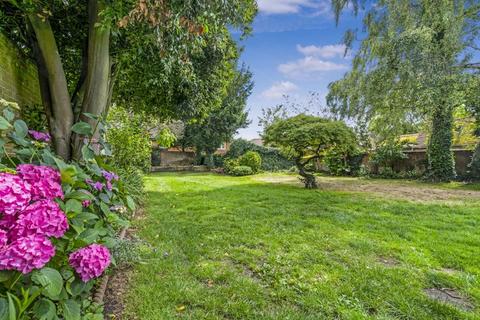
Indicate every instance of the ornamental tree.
{"type": "Point", "coordinates": [412, 64]}
{"type": "Point", "coordinates": [305, 139]}
{"type": "Point", "coordinates": [83, 48]}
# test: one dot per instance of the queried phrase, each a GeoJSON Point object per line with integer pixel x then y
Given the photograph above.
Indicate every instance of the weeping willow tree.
{"type": "Point", "coordinates": [412, 62]}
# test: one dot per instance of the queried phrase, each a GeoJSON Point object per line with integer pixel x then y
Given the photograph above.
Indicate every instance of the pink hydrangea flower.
{"type": "Point", "coordinates": [15, 193]}
{"type": "Point", "coordinates": [43, 217]}
{"type": "Point", "coordinates": [27, 253]}
{"type": "Point", "coordinates": [3, 238]}
{"type": "Point", "coordinates": [90, 262]}
{"type": "Point", "coordinates": [45, 181]}
{"type": "Point", "coordinates": [40, 136]}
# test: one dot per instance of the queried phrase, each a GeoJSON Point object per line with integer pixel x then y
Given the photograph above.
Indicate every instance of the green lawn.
{"type": "Point", "coordinates": [249, 248]}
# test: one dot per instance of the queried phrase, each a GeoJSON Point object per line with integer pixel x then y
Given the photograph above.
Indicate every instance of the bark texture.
{"type": "Point", "coordinates": [53, 85]}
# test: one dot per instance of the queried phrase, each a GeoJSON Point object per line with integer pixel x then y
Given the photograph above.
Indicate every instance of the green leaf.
{"type": "Point", "coordinates": [82, 128]}
{"type": "Point", "coordinates": [8, 114]}
{"type": "Point", "coordinates": [73, 205]}
{"type": "Point", "coordinates": [6, 275]}
{"type": "Point", "coordinates": [4, 124]}
{"type": "Point", "coordinates": [71, 310]}
{"type": "Point", "coordinates": [68, 174]}
{"type": "Point", "coordinates": [3, 309]}
{"type": "Point", "coordinates": [91, 115]}
{"type": "Point", "coordinates": [130, 203]}
{"type": "Point", "coordinates": [79, 195]}
{"type": "Point", "coordinates": [105, 208]}
{"type": "Point", "coordinates": [89, 236]}
{"type": "Point", "coordinates": [77, 287]}
{"type": "Point", "coordinates": [51, 281]}
{"type": "Point", "coordinates": [87, 153]}
{"type": "Point", "coordinates": [12, 311]}
{"type": "Point", "coordinates": [45, 309]}
{"type": "Point", "coordinates": [86, 216]}
{"type": "Point", "coordinates": [21, 128]}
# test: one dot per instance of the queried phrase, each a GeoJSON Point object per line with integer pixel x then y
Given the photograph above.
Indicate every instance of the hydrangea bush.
{"type": "Point", "coordinates": [58, 223]}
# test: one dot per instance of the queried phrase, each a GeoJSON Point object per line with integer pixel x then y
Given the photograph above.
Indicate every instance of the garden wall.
{"type": "Point", "coordinates": [417, 160]}
{"type": "Point", "coordinates": [18, 76]}
{"type": "Point", "coordinates": [169, 157]}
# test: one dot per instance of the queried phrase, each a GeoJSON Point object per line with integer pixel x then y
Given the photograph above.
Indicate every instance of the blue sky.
{"type": "Point", "coordinates": [295, 49]}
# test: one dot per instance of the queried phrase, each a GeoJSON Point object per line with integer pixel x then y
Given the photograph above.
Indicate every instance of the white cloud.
{"type": "Point", "coordinates": [279, 89]}
{"type": "Point", "coordinates": [327, 51]}
{"type": "Point", "coordinates": [288, 6]}
{"type": "Point", "coordinates": [309, 65]}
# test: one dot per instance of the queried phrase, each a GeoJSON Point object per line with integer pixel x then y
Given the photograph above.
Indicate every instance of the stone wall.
{"type": "Point", "coordinates": [18, 76]}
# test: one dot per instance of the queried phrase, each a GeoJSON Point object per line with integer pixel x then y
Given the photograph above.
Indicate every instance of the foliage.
{"type": "Point", "coordinates": [276, 232]}
{"type": "Point", "coordinates": [251, 159]}
{"type": "Point", "coordinates": [165, 57]}
{"type": "Point", "coordinates": [35, 117]}
{"type": "Point", "coordinates": [129, 140]}
{"type": "Point", "coordinates": [241, 171]}
{"type": "Point", "coordinates": [386, 154]}
{"type": "Point", "coordinates": [223, 121]}
{"type": "Point", "coordinates": [272, 159]}
{"type": "Point", "coordinates": [413, 65]}
{"type": "Point", "coordinates": [229, 165]}
{"type": "Point", "coordinates": [92, 200]}
{"type": "Point", "coordinates": [305, 139]}
{"type": "Point", "coordinates": [340, 161]}
{"type": "Point", "coordinates": [165, 138]}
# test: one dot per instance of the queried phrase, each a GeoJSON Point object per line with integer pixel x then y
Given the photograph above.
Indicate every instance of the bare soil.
{"type": "Point", "coordinates": [449, 296]}
{"type": "Point", "coordinates": [393, 189]}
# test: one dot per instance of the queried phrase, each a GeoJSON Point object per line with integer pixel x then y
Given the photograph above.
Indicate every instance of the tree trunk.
{"type": "Point", "coordinates": [53, 84]}
{"type": "Point", "coordinates": [441, 162]}
{"type": "Point", "coordinates": [307, 178]}
{"type": "Point", "coordinates": [98, 73]}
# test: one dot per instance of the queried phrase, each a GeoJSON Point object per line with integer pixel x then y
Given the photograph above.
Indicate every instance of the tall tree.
{"type": "Point", "coordinates": [223, 121]}
{"type": "Point", "coordinates": [81, 46]}
{"type": "Point", "coordinates": [412, 63]}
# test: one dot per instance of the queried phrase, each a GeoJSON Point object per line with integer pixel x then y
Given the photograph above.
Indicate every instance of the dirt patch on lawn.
{"type": "Point", "coordinates": [388, 262]}
{"type": "Point", "coordinates": [449, 296]}
{"type": "Point", "coordinates": [396, 189]}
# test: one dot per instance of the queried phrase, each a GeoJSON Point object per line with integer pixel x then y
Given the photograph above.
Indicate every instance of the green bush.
{"type": "Point", "coordinates": [385, 156]}
{"type": "Point", "coordinates": [132, 179]}
{"type": "Point", "coordinates": [251, 159]}
{"type": "Point", "coordinates": [343, 162]}
{"type": "Point", "coordinates": [130, 142]}
{"type": "Point", "coordinates": [272, 159]}
{"type": "Point", "coordinates": [241, 171]}
{"type": "Point", "coordinates": [229, 164]}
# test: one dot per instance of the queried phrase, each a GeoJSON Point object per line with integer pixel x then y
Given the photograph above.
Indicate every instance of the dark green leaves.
{"type": "Point", "coordinates": [82, 128]}
{"type": "Point", "coordinates": [50, 280]}
{"type": "Point", "coordinates": [45, 309]}
{"type": "Point", "coordinates": [71, 310]}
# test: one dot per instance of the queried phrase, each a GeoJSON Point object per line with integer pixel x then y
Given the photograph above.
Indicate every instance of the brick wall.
{"type": "Point", "coordinates": [18, 76]}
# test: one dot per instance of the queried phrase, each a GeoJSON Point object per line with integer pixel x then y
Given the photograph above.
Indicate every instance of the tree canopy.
{"type": "Point", "coordinates": [224, 120]}
{"type": "Point", "coordinates": [305, 138]}
{"type": "Point", "coordinates": [411, 66]}
{"type": "Point", "coordinates": [149, 48]}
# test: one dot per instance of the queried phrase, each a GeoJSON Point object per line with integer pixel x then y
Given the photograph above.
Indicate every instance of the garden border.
{"type": "Point", "coordinates": [99, 295]}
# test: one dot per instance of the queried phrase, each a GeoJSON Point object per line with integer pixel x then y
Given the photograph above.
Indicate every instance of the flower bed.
{"type": "Point", "coordinates": [58, 225]}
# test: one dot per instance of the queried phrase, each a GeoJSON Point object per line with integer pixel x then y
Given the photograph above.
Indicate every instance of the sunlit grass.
{"type": "Point", "coordinates": [240, 248]}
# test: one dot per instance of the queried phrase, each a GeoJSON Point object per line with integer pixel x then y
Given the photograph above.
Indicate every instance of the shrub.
{"type": "Point", "coordinates": [56, 237]}
{"type": "Point", "coordinates": [251, 159]}
{"type": "Point", "coordinates": [272, 159]}
{"type": "Point", "coordinates": [342, 162]}
{"type": "Point", "coordinates": [385, 156]}
{"type": "Point", "coordinates": [229, 164]}
{"type": "Point", "coordinates": [241, 171]}
{"type": "Point", "coordinates": [129, 140]}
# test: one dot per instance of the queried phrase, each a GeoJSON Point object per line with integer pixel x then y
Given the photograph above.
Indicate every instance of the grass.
{"type": "Point", "coordinates": [240, 248]}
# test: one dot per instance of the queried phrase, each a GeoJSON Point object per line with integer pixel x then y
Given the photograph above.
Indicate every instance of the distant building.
{"type": "Point", "coordinates": [257, 141]}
